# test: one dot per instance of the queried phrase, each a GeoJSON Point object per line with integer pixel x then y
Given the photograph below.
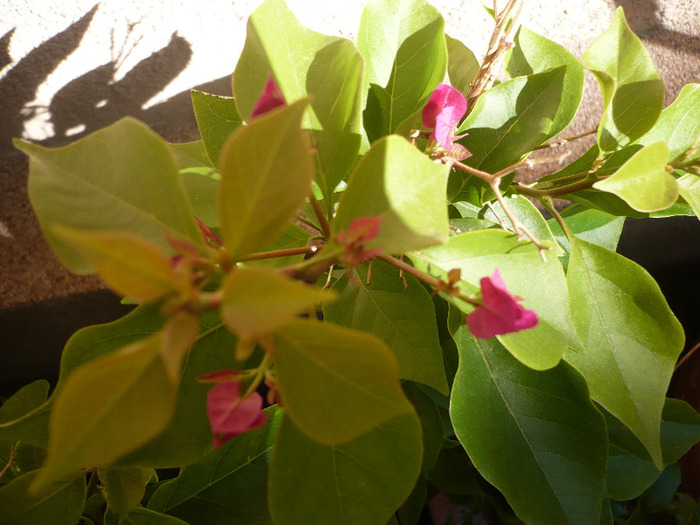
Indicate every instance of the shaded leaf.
{"type": "Point", "coordinates": [141, 516]}
{"type": "Point", "coordinates": [123, 177]}
{"type": "Point", "coordinates": [201, 181]}
{"type": "Point", "coordinates": [336, 384]}
{"type": "Point", "coordinates": [228, 484]}
{"type": "Point", "coordinates": [25, 400]}
{"type": "Point", "coordinates": [462, 65]}
{"type": "Point", "coordinates": [633, 93]}
{"type": "Point", "coordinates": [630, 336]}
{"type": "Point", "coordinates": [402, 317]}
{"type": "Point", "coordinates": [217, 117]}
{"type": "Point", "coordinates": [361, 481]}
{"type": "Point", "coordinates": [541, 425]}
{"type": "Point", "coordinates": [266, 175]}
{"type": "Point", "coordinates": [402, 186]}
{"type": "Point", "coordinates": [125, 487]}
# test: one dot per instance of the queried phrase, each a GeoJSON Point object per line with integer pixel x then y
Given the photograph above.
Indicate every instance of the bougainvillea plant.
{"type": "Point", "coordinates": [348, 309]}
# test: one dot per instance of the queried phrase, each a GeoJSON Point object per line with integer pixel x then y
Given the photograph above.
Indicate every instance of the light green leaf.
{"type": "Point", "coordinates": [361, 481]}
{"type": "Point", "coordinates": [678, 124]}
{"type": "Point", "coordinates": [227, 485]}
{"type": "Point", "coordinates": [541, 425]}
{"type": "Point", "coordinates": [630, 337]}
{"type": "Point", "coordinates": [62, 505]}
{"type": "Point", "coordinates": [403, 44]}
{"type": "Point", "coordinates": [541, 284]}
{"type": "Point", "coordinates": [201, 180]}
{"type": "Point", "coordinates": [510, 119]}
{"type": "Point", "coordinates": [633, 93]}
{"type": "Point", "coordinates": [462, 65]}
{"type": "Point", "coordinates": [306, 64]}
{"type": "Point", "coordinates": [108, 407]}
{"type": "Point", "coordinates": [643, 181]}
{"type": "Point", "coordinates": [125, 487]}
{"type": "Point", "coordinates": [402, 317]}
{"type": "Point", "coordinates": [266, 175]}
{"type": "Point", "coordinates": [336, 384]}
{"type": "Point", "coordinates": [535, 54]}
{"type": "Point", "coordinates": [257, 301]}
{"type": "Point", "coordinates": [689, 189]}
{"type": "Point", "coordinates": [123, 177]}
{"type": "Point", "coordinates": [217, 117]}
{"type": "Point", "coordinates": [127, 264]}
{"type": "Point", "coordinates": [402, 186]}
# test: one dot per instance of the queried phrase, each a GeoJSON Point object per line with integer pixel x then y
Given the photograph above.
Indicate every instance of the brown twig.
{"type": "Point", "coordinates": [561, 142]}
{"type": "Point", "coordinates": [281, 253]}
{"type": "Point", "coordinates": [686, 356]}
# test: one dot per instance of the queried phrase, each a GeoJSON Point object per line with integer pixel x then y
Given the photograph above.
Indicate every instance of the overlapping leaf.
{"type": "Point", "coordinates": [217, 117]}
{"type": "Point", "coordinates": [630, 337]}
{"type": "Point", "coordinates": [122, 178]}
{"type": "Point", "coordinates": [125, 487]}
{"type": "Point", "coordinates": [402, 317]}
{"type": "Point", "coordinates": [361, 481]}
{"type": "Point", "coordinates": [335, 383]}
{"type": "Point", "coordinates": [541, 425]}
{"type": "Point", "coordinates": [397, 183]}
{"type": "Point", "coordinates": [403, 45]}
{"type": "Point", "coordinates": [305, 63]}
{"type": "Point", "coordinates": [633, 93]}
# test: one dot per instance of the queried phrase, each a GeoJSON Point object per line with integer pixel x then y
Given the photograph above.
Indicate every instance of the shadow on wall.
{"type": "Point", "coordinates": [96, 98]}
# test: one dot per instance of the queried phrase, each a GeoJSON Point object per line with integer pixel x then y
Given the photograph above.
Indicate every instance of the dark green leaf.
{"type": "Point", "coordinates": [125, 487]}
{"type": "Point", "coordinates": [462, 65]}
{"type": "Point", "coordinates": [535, 435]}
{"type": "Point", "coordinates": [361, 481]}
{"type": "Point", "coordinates": [402, 317]}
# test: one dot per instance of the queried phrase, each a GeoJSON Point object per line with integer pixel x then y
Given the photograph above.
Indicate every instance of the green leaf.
{"type": "Point", "coordinates": [535, 435]}
{"type": "Point", "coordinates": [643, 181]}
{"type": "Point", "coordinates": [293, 237]}
{"type": "Point", "coordinates": [257, 301]}
{"type": "Point", "coordinates": [201, 180]}
{"type": "Point", "coordinates": [217, 117]}
{"type": "Point", "coordinates": [402, 186]}
{"type": "Point", "coordinates": [431, 424]}
{"type": "Point", "coordinates": [336, 384]}
{"type": "Point", "coordinates": [123, 177]}
{"type": "Point", "coordinates": [535, 54]}
{"type": "Point", "coordinates": [403, 44]}
{"type": "Point", "coordinates": [462, 65]}
{"type": "Point", "coordinates": [328, 69]}
{"type": "Point", "coordinates": [125, 487]}
{"type": "Point", "coordinates": [266, 174]}
{"type": "Point", "coordinates": [402, 317]}
{"type": "Point", "coordinates": [62, 505]}
{"type": "Point", "coordinates": [361, 481]}
{"type": "Point", "coordinates": [680, 429]}
{"type": "Point", "coordinates": [589, 224]}
{"type": "Point", "coordinates": [678, 125]}
{"type": "Point", "coordinates": [25, 400]}
{"type": "Point", "coordinates": [127, 264]}
{"type": "Point", "coordinates": [633, 93]}
{"type": "Point", "coordinates": [541, 284]}
{"type": "Point", "coordinates": [108, 407]}
{"type": "Point", "coordinates": [141, 516]}
{"type": "Point", "coordinates": [510, 119]}
{"type": "Point", "coordinates": [689, 189]}
{"type": "Point", "coordinates": [227, 485]}
{"type": "Point", "coordinates": [630, 337]}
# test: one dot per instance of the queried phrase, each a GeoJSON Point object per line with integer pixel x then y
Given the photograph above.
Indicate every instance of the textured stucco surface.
{"type": "Point", "coordinates": [68, 68]}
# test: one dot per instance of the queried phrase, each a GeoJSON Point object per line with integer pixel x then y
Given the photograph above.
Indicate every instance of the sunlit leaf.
{"type": "Point", "coordinates": [630, 337]}
{"type": "Point", "coordinates": [122, 178]}
{"type": "Point", "coordinates": [217, 117]}
{"type": "Point", "coordinates": [633, 93]}
{"type": "Point", "coordinates": [336, 384]}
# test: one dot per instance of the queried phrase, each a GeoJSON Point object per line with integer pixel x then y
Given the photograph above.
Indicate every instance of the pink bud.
{"type": "Point", "coordinates": [230, 415]}
{"type": "Point", "coordinates": [499, 312]}
{"type": "Point", "coordinates": [359, 231]}
{"type": "Point", "coordinates": [270, 99]}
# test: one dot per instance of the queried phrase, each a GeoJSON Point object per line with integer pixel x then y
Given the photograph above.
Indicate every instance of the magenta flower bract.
{"type": "Point", "coordinates": [230, 415]}
{"type": "Point", "coordinates": [270, 99]}
{"type": "Point", "coordinates": [442, 113]}
{"type": "Point", "coordinates": [499, 312]}
{"type": "Point", "coordinates": [359, 231]}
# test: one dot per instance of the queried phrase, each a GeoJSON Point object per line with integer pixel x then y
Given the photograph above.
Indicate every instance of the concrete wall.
{"type": "Point", "coordinates": [70, 67]}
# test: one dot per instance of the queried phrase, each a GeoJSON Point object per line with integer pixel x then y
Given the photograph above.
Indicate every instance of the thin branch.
{"type": "Point", "coordinates": [9, 462]}
{"type": "Point", "coordinates": [325, 227]}
{"type": "Point", "coordinates": [281, 253]}
{"type": "Point", "coordinates": [567, 139]}
{"type": "Point", "coordinates": [686, 356]}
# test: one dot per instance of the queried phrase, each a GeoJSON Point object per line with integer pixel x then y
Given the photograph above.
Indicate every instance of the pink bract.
{"type": "Point", "coordinates": [499, 312]}
{"type": "Point", "coordinates": [229, 415]}
{"type": "Point", "coordinates": [444, 110]}
{"type": "Point", "coordinates": [270, 99]}
{"type": "Point", "coordinates": [353, 239]}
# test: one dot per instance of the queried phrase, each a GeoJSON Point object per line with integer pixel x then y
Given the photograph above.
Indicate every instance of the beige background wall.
{"type": "Point", "coordinates": [68, 67]}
